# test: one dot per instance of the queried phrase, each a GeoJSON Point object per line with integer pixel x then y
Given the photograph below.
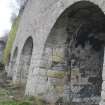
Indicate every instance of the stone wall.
{"type": "Point", "coordinates": [37, 21]}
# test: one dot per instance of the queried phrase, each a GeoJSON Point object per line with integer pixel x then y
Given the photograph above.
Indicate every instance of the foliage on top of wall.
{"type": "Point", "coordinates": [10, 41]}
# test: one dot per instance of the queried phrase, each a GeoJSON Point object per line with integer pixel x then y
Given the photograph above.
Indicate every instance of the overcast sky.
{"type": "Point", "coordinates": [7, 9]}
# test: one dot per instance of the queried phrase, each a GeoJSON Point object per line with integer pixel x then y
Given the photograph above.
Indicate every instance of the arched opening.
{"type": "Point", "coordinates": [73, 55]}
{"type": "Point", "coordinates": [25, 60]}
{"type": "Point", "coordinates": [13, 61]}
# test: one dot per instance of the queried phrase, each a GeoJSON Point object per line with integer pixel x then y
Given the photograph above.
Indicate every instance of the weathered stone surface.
{"type": "Point", "coordinates": [37, 22]}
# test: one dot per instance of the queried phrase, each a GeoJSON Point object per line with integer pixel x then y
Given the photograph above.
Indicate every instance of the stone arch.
{"type": "Point", "coordinates": [74, 52]}
{"type": "Point", "coordinates": [15, 54]}
{"type": "Point", "coordinates": [25, 60]}
{"type": "Point", "coordinates": [13, 60]}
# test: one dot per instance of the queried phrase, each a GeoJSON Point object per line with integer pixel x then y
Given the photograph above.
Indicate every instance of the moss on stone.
{"type": "Point", "coordinates": [60, 89]}
{"type": "Point", "coordinates": [56, 74]}
{"type": "Point", "coordinates": [10, 41]}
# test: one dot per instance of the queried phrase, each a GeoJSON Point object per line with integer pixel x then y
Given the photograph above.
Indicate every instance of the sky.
{"type": "Point", "coordinates": [7, 9]}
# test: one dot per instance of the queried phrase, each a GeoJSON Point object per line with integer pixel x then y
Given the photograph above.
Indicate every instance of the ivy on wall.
{"type": "Point", "coordinates": [10, 41]}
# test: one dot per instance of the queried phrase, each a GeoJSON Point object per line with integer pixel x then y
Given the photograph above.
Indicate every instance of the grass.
{"type": "Point", "coordinates": [37, 100]}
{"type": "Point", "coordinates": [6, 100]}
{"type": "Point", "coordinates": [13, 102]}
{"type": "Point", "coordinates": [3, 92]}
{"type": "Point", "coordinates": [9, 103]}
